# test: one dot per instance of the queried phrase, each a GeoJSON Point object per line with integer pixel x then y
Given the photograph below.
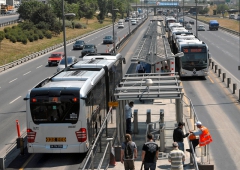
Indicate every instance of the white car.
{"type": "Point", "coordinates": [201, 28]}
{"type": "Point", "coordinates": [134, 22]}
{"type": "Point", "coordinates": [120, 25]}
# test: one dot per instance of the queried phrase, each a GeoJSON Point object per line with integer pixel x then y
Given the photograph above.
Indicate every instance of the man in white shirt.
{"type": "Point", "coordinates": [128, 116]}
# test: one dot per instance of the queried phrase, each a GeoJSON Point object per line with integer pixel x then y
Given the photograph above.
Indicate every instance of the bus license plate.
{"type": "Point", "coordinates": [61, 139]}
{"type": "Point", "coordinates": [56, 146]}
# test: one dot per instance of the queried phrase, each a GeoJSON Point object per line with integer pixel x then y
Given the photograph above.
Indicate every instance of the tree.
{"type": "Point", "coordinates": [56, 5]}
{"type": "Point", "coordinates": [2, 36]}
{"type": "Point", "coordinates": [102, 4]}
{"type": "Point", "coordinates": [27, 8]}
{"type": "Point", "coordinates": [221, 8]}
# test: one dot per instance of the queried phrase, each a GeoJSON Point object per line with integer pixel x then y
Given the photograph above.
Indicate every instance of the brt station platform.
{"type": "Point", "coordinates": [159, 104]}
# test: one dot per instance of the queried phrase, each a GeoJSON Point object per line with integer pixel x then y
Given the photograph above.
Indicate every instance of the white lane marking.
{"type": "Point", "coordinates": [12, 80]}
{"type": "Point", "coordinates": [15, 99]}
{"type": "Point", "coordinates": [27, 73]}
{"type": "Point", "coordinates": [39, 66]}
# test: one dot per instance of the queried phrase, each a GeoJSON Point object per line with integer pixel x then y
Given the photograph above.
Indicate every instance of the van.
{"type": "Point", "coordinates": [120, 24]}
{"type": "Point", "coordinates": [134, 22]}
{"type": "Point", "coordinates": [231, 16]}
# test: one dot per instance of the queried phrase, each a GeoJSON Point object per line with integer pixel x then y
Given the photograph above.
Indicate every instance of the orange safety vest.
{"type": "Point", "coordinates": [205, 138]}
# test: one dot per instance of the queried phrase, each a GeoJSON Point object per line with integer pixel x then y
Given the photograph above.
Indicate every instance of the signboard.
{"type": "Point", "coordinates": [113, 104]}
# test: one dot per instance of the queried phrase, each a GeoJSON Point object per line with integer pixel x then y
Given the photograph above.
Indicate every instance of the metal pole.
{"type": "Point", "coordinates": [113, 29]}
{"type": "Point", "coordinates": [196, 19]}
{"type": "Point", "coordinates": [183, 13]}
{"type": "Point", "coordinates": [129, 30]}
{"type": "Point", "coordinates": [64, 35]}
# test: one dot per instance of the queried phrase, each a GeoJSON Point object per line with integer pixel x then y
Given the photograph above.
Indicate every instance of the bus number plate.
{"type": "Point", "coordinates": [62, 139]}
{"type": "Point", "coordinates": [56, 146]}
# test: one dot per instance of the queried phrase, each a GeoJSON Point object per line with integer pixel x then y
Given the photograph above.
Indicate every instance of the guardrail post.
{"type": "Point", "coordinates": [219, 72]}
{"type": "Point", "coordinates": [210, 60]}
{"type": "Point", "coordinates": [228, 81]}
{"type": "Point", "coordinates": [212, 64]}
{"type": "Point", "coordinates": [149, 119]}
{"type": "Point", "coordinates": [135, 125]}
{"type": "Point", "coordinates": [162, 139]}
{"type": "Point", "coordinates": [234, 87]}
{"type": "Point", "coordinates": [224, 76]}
{"type": "Point", "coordinates": [216, 67]}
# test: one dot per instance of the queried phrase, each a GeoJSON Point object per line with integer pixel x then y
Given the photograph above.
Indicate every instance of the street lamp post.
{"type": "Point", "coordinates": [114, 46]}
{"type": "Point", "coordinates": [196, 18]}
{"type": "Point", "coordinates": [64, 32]}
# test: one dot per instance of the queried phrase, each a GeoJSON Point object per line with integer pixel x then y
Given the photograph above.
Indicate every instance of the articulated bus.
{"type": "Point", "coordinates": [65, 111]}
{"type": "Point", "coordinates": [195, 61]}
{"type": "Point", "coordinates": [168, 20]}
{"type": "Point", "coordinates": [177, 36]}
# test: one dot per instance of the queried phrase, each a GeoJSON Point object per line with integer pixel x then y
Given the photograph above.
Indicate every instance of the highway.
{"type": "Point", "coordinates": [13, 89]}
{"type": "Point", "coordinates": [7, 18]}
{"type": "Point", "coordinates": [214, 104]}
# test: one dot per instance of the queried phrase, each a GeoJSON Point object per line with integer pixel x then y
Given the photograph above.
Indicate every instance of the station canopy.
{"type": "Point", "coordinates": [154, 46]}
{"type": "Point", "coordinates": [146, 86]}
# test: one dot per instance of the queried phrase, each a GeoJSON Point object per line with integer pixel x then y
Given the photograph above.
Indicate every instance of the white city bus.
{"type": "Point", "coordinates": [64, 112]}
{"type": "Point", "coordinates": [195, 61]}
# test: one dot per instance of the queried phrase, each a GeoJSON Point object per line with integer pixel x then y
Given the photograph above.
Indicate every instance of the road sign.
{"type": "Point", "coordinates": [113, 104]}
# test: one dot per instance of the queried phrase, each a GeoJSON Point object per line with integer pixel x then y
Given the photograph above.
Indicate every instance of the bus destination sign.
{"type": "Point", "coordinates": [193, 50]}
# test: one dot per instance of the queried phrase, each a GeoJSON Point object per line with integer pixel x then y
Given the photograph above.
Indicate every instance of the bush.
{"type": "Point", "coordinates": [35, 37]}
{"type": "Point", "coordinates": [7, 35]}
{"type": "Point", "coordinates": [40, 35]}
{"type": "Point", "coordinates": [42, 25]}
{"type": "Point", "coordinates": [7, 29]}
{"type": "Point", "coordinates": [78, 25]}
{"type": "Point", "coordinates": [48, 34]}
{"type": "Point", "coordinates": [24, 40]}
{"type": "Point", "coordinates": [30, 38]}
{"type": "Point", "coordinates": [13, 39]}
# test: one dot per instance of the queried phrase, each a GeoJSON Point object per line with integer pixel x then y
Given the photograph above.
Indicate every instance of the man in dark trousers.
{"type": "Point", "coordinates": [178, 136]}
{"type": "Point", "coordinates": [150, 153]}
{"type": "Point", "coordinates": [128, 116]}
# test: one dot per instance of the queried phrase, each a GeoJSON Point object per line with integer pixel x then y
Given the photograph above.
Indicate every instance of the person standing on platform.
{"type": "Point", "coordinates": [128, 153]}
{"type": "Point", "coordinates": [150, 154]}
{"type": "Point", "coordinates": [140, 68]}
{"type": "Point", "coordinates": [176, 157]}
{"type": "Point", "coordinates": [178, 135]}
{"type": "Point", "coordinates": [204, 136]}
{"type": "Point", "coordinates": [128, 116]}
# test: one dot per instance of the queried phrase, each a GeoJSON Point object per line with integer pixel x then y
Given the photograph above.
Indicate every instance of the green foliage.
{"type": "Point", "coordinates": [24, 40]}
{"type": "Point", "coordinates": [42, 25]}
{"type": "Point", "coordinates": [2, 35]}
{"type": "Point", "coordinates": [6, 29]}
{"type": "Point", "coordinates": [13, 39]}
{"type": "Point", "coordinates": [26, 25]}
{"type": "Point", "coordinates": [7, 35]}
{"type": "Point", "coordinates": [48, 34]}
{"type": "Point", "coordinates": [35, 37]}
{"type": "Point", "coordinates": [30, 38]}
{"type": "Point", "coordinates": [204, 11]}
{"type": "Point", "coordinates": [221, 8]}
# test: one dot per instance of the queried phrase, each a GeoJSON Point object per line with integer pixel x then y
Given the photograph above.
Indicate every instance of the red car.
{"type": "Point", "coordinates": [55, 58]}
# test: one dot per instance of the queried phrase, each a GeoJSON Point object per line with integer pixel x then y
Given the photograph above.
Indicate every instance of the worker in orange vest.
{"type": "Point", "coordinates": [203, 133]}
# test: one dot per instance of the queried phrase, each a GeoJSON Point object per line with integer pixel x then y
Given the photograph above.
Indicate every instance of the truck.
{"type": "Point", "coordinates": [213, 25]}
{"type": "Point", "coordinates": [6, 8]}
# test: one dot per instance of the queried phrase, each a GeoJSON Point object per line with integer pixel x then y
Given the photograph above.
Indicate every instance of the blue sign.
{"type": "Point", "coordinates": [167, 3]}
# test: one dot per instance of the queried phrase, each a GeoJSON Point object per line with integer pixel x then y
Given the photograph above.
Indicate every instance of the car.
{"type": "Point", "coordinates": [89, 48]}
{"type": "Point", "coordinates": [133, 22]}
{"type": "Point", "coordinates": [185, 22]}
{"type": "Point", "coordinates": [120, 25]}
{"type": "Point", "coordinates": [188, 27]}
{"type": "Point", "coordinates": [55, 58]}
{"type": "Point", "coordinates": [70, 60]}
{"type": "Point", "coordinates": [78, 44]}
{"type": "Point", "coordinates": [238, 17]}
{"type": "Point", "coordinates": [231, 16]}
{"type": "Point", "coordinates": [108, 39]}
{"type": "Point", "coordinates": [127, 19]}
{"type": "Point", "coordinates": [201, 28]}
{"type": "Point", "coordinates": [191, 22]}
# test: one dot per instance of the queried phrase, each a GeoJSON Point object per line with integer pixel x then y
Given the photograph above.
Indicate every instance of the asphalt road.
{"type": "Point", "coordinates": [14, 86]}
{"type": "Point", "coordinates": [215, 105]}
{"type": "Point", "coordinates": [7, 18]}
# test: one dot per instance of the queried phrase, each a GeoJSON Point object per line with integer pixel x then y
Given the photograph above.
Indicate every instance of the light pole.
{"type": "Point", "coordinates": [64, 32]}
{"type": "Point", "coordinates": [114, 46]}
{"type": "Point", "coordinates": [129, 29]}
{"type": "Point", "coordinates": [196, 18]}
{"type": "Point", "coordinates": [183, 14]}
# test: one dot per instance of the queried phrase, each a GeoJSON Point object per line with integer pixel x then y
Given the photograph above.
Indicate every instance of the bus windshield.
{"type": "Point", "coordinates": [54, 110]}
{"type": "Point", "coordinates": [194, 60]}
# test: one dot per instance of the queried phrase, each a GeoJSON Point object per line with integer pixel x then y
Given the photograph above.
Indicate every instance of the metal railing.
{"type": "Point", "coordinates": [92, 151]}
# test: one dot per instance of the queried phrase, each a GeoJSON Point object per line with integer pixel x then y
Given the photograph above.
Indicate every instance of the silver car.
{"type": "Point", "coordinates": [70, 60]}
{"type": "Point", "coordinates": [201, 28]}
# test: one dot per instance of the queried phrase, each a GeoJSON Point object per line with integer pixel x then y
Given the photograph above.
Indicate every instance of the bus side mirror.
{"type": "Point", "coordinates": [25, 98]}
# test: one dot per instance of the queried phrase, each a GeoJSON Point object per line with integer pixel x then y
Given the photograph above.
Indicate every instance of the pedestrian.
{"type": "Point", "coordinates": [128, 153]}
{"type": "Point", "coordinates": [204, 136]}
{"type": "Point", "coordinates": [139, 68]}
{"type": "Point", "coordinates": [176, 157]}
{"type": "Point", "coordinates": [178, 135]}
{"type": "Point", "coordinates": [150, 153]}
{"type": "Point", "coordinates": [128, 116]}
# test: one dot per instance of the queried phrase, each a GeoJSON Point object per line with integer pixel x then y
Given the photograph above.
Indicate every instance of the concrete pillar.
{"type": "Point", "coordinates": [118, 120]}
{"type": "Point", "coordinates": [179, 110]}
{"type": "Point", "coordinates": [135, 124]}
